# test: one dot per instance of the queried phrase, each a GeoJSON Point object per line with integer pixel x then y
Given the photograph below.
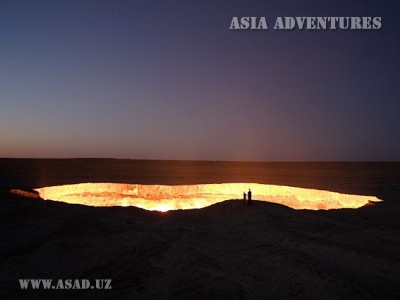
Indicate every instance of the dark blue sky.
{"type": "Point", "coordinates": [169, 80]}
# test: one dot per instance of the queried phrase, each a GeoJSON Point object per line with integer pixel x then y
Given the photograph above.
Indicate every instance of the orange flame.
{"type": "Point", "coordinates": [164, 197]}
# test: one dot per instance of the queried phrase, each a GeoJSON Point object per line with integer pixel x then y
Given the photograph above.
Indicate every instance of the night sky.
{"type": "Point", "coordinates": [169, 80]}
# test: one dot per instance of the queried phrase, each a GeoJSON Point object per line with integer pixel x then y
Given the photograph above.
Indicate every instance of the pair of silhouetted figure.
{"type": "Point", "coordinates": [248, 201]}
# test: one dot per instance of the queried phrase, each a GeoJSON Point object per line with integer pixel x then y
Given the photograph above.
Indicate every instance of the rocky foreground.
{"type": "Point", "coordinates": [227, 250]}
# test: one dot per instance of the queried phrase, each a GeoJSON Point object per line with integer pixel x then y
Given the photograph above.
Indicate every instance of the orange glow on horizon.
{"type": "Point", "coordinates": [164, 198]}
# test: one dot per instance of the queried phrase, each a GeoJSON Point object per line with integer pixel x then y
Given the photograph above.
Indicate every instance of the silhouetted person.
{"type": "Point", "coordinates": [244, 198]}
{"type": "Point", "coordinates": [249, 197]}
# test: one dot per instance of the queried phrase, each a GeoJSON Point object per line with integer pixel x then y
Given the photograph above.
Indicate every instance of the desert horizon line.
{"type": "Point", "coordinates": [201, 160]}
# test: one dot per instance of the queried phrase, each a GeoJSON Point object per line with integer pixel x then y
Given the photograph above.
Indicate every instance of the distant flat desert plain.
{"type": "Point", "coordinates": [226, 250]}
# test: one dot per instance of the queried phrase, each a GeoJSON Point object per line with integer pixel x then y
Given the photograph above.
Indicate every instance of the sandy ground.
{"type": "Point", "coordinates": [266, 251]}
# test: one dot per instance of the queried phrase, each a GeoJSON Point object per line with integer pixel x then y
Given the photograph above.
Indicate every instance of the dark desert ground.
{"type": "Point", "coordinates": [227, 250]}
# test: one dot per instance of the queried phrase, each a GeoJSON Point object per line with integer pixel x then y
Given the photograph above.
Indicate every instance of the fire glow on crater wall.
{"type": "Point", "coordinates": [164, 197]}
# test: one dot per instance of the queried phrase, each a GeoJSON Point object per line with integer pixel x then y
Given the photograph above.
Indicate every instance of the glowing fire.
{"type": "Point", "coordinates": [164, 198]}
{"type": "Point", "coordinates": [163, 207]}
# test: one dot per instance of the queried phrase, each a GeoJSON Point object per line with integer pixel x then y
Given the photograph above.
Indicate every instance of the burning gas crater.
{"type": "Point", "coordinates": [164, 197]}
